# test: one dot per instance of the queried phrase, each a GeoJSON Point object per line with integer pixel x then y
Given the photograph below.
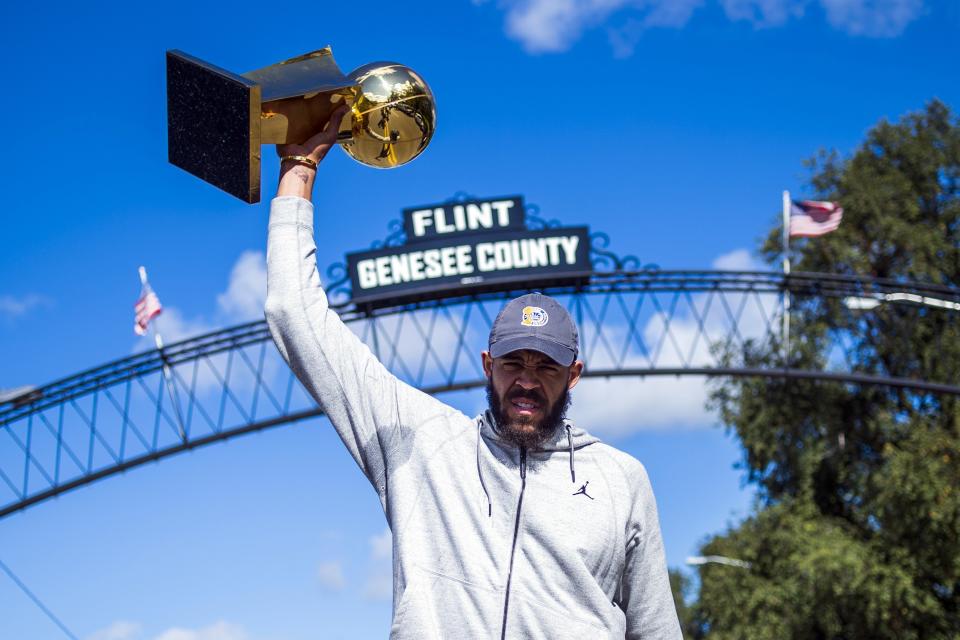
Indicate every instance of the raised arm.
{"type": "Point", "coordinates": [370, 408]}
{"type": "Point", "coordinates": [297, 177]}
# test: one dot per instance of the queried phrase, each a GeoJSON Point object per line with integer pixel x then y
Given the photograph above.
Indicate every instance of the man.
{"type": "Point", "coordinates": [514, 524]}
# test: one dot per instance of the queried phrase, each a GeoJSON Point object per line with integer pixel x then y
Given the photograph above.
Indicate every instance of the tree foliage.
{"type": "Point", "coordinates": [856, 533]}
{"type": "Point", "coordinates": [681, 587]}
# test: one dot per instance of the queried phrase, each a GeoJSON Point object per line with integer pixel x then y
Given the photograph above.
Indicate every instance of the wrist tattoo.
{"type": "Point", "coordinates": [302, 173]}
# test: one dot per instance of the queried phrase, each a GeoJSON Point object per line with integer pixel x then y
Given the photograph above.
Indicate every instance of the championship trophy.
{"type": "Point", "coordinates": [217, 120]}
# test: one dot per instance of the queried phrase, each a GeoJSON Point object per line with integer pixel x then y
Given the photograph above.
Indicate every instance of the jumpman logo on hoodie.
{"type": "Point", "coordinates": [583, 490]}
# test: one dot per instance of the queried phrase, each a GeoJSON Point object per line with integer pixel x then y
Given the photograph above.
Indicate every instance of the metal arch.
{"type": "Point", "coordinates": [642, 322]}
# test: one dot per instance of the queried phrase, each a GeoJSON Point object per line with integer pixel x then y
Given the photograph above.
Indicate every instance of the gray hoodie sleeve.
{"type": "Point", "coordinates": [372, 411]}
{"type": "Point", "coordinates": [646, 597]}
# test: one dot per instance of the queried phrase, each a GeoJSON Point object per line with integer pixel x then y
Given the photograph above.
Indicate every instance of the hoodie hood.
{"type": "Point", "coordinates": [569, 438]}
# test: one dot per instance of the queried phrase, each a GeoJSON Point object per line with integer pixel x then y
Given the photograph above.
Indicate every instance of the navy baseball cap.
{"type": "Point", "coordinates": [537, 322]}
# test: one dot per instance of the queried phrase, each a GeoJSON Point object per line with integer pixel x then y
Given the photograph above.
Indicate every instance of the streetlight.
{"type": "Point", "coordinates": [856, 303]}
{"type": "Point", "coordinates": [730, 562]}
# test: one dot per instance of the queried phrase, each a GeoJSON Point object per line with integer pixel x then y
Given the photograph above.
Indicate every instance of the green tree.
{"type": "Point", "coordinates": [686, 612]}
{"type": "Point", "coordinates": [856, 532]}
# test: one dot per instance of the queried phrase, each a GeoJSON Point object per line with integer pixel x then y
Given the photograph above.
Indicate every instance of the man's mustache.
{"type": "Point", "coordinates": [532, 396]}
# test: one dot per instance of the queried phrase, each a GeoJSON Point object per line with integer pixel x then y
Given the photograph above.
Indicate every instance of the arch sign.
{"type": "Point", "coordinates": [461, 247]}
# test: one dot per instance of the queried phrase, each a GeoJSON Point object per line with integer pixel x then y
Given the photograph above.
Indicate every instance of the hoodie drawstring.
{"type": "Point", "coordinates": [486, 492]}
{"type": "Point", "coordinates": [480, 473]}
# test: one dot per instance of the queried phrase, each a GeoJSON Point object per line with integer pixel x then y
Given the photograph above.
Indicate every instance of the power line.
{"type": "Point", "coordinates": [36, 600]}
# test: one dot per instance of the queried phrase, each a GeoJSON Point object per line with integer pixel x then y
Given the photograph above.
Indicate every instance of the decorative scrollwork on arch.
{"type": "Point", "coordinates": [338, 287]}
{"type": "Point", "coordinates": [536, 222]}
{"type": "Point", "coordinates": [604, 260]}
{"type": "Point", "coordinates": [460, 197]}
{"type": "Point", "coordinates": [396, 236]}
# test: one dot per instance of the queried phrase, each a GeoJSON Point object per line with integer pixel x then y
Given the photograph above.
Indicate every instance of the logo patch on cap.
{"type": "Point", "coordinates": [534, 317]}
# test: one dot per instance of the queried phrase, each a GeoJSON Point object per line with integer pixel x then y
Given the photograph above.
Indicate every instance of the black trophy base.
{"type": "Point", "coordinates": [213, 125]}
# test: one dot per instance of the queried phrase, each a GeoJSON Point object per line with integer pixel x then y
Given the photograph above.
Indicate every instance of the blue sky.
{"type": "Point", "coordinates": [674, 125]}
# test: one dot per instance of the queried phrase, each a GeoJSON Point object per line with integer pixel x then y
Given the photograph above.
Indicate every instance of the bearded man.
{"type": "Point", "coordinates": [513, 524]}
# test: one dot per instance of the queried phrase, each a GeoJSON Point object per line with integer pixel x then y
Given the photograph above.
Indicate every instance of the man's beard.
{"type": "Point", "coordinates": [514, 430]}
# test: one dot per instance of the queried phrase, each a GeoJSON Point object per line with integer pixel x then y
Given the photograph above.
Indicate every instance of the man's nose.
{"type": "Point", "coordinates": [527, 380]}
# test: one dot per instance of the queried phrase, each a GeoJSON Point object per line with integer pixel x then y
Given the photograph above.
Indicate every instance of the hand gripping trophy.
{"type": "Point", "coordinates": [217, 120]}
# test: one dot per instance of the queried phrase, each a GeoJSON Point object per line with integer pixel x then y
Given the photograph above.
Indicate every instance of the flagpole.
{"type": "Point", "coordinates": [167, 374]}
{"type": "Point", "coordinates": [786, 274]}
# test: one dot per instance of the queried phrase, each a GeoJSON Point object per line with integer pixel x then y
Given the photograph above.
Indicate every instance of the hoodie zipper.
{"type": "Point", "coordinates": [516, 533]}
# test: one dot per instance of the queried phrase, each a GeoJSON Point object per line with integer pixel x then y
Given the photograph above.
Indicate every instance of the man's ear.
{"type": "Point", "coordinates": [487, 361]}
{"type": "Point", "coordinates": [576, 370]}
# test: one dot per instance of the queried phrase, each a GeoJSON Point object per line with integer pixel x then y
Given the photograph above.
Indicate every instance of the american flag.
{"type": "Point", "coordinates": [147, 306]}
{"type": "Point", "coordinates": [810, 218]}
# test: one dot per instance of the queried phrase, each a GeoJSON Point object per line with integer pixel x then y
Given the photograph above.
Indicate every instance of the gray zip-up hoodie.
{"type": "Point", "coordinates": [489, 540]}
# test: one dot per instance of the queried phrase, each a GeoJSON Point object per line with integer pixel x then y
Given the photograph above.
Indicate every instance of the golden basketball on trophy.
{"type": "Point", "coordinates": [217, 120]}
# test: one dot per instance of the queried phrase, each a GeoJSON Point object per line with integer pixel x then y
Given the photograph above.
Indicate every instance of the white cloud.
{"type": "Point", "coordinates": [663, 14]}
{"type": "Point", "coordinates": [119, 630]}
{"type": "Point", "coordinates": [872, 18]}
{"type": "Point", "coordinates": [125, 630]}
{"type": "Point", "coordinates": [218, 631]}
{"type": "Point", "coordinates": [669, 13]}
{"type": "Point", "coordinates": [241, 302]}
{"type": "Point", "coordinates": [12, 307]}
{"type": "Point", "coordinates": [624, 39]}
{"type": "Point", "coordinates": [330, 575]}
{"type": "Point", "coordinates": [247, 290]}
{"type": "Point", "coordinates": [738, 260]}
{"type": "Point", "coordinates": [550, 26]}
{"type": "Point", "coordinates": [379, 587]}
{"type": "Point", "coordinates": [554, 25]}
{"type": "Point", "coordinates": [381, 545]}
{"type": "Point", "coordinates": [173, 326]}
{"type": "Point", "coordinates": [619, 406]}
{"type": "Point", "coordinates": [379, 584]}
{"type": "Point", "coordinates": [764, 13]}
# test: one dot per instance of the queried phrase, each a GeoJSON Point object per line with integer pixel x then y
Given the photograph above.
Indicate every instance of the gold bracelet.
{"type": "Point", "coordinates": [300, 160]}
